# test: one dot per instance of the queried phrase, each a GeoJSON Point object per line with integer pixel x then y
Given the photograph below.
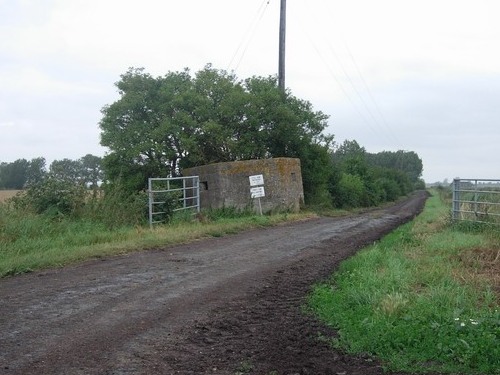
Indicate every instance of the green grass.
{"type": "Point", "coordinates": [29, 242]}
{"type": "Point", "coordinates": [413, 302]}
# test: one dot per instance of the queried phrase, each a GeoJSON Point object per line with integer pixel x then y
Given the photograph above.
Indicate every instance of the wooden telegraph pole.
{"type": "Point", "coordinates": [281, 68]}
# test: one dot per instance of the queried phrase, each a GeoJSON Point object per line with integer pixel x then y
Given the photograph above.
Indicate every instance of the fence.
{"type": "Point", "coordinates": [168, 195]}
{"type": "Point", "coordinates": [476, 200]}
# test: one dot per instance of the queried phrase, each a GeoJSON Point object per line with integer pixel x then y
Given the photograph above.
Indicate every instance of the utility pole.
{"type": "Point", "coordinates": [281, 68]}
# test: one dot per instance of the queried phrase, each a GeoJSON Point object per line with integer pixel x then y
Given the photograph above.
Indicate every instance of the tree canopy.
{"type": "Point", "coordinates": [160, 125]}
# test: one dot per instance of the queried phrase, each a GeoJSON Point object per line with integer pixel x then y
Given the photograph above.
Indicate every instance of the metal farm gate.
{"type": "Point", "coordinates": [476, 200]}
{"type": "Point", "coordinates": [168, 195]}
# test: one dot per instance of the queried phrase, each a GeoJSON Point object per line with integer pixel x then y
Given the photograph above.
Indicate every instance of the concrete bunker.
{"type": "Point", "coordinates": [228, 184]}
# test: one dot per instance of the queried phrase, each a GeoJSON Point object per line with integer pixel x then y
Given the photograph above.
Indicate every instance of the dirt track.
{"type": "Point", "coordinates": [230, 305]}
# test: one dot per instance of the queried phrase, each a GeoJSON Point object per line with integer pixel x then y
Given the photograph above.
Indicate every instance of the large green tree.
{"type": "Point", "coordinates": [160, 125]}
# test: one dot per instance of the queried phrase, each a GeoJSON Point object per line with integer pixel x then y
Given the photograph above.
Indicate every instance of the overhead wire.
{"type": "Point", "coordinates": [363, 81]}
{"type": "Point", "coordinates": [330, 69]}
{"type": "Point", "coordinates": [365, 110]}
{"type": "Point", "coordinates": [370, 95]}
{"type": "Point", "coordinates": [248, 35]}
{"type": "Point", "coordinates": [386, 131]}
{"type": "Point", "coordinates": [339, 83]}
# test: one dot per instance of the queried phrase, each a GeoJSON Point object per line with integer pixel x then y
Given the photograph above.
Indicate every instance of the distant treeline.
{"type": "Point", "coordinates": [360, 178]}
{"type": "Point", "coordinates": [23, 173]}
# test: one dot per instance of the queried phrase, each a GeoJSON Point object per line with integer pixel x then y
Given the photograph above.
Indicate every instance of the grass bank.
{"type": "Point", "coordinates": [29, 242]}
{"type": "Point", "coordinates": [425, 298]}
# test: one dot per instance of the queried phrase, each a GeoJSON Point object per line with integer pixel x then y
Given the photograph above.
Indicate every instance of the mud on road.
{"type": "Point", "coordinates": [230, 305]}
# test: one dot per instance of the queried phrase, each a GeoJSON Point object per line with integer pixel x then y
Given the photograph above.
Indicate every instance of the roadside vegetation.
{"type": "Point", "coordinates": [105, 227]}
{"type": "Point", "coordinates": [423, 299]}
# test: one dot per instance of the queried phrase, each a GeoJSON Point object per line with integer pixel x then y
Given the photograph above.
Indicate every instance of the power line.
{"type": "Point", "coordinates": [339, 83]}
{"type": "Point", "coordinates": [249, 35]}
{"type": "Point", "coordinates": [372, 98]}
{"type": "Point", "coordinates": [337, 79]}
{"type": "Point", "coordinates": [355, 88]}
{"type": "Point", "coordinates": [387, 131]}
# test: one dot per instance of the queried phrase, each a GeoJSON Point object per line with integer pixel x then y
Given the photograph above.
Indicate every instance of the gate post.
{"type": "Point", "coordinates": [456, 199]}
{"type": "Point", "coordinates": [150, 202]}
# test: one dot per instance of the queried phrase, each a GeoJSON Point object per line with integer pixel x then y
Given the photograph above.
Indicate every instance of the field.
{"type": "Point", "coordinates": [6, 194]}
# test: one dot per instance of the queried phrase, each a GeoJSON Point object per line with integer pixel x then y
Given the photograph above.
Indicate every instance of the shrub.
{"type": "Point", "coordinates": [390, 188]}
{"type": "Point", "coordinates": [351, 191]}
{"type": "Point", "coordinates": [374, 194]}
{"type": "Point", "coordinates": [114, 207]}
{"type": "Point", "coordinates": [53, 197]}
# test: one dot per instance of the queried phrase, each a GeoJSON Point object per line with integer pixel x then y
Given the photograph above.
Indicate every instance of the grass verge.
{"type": "Point", "coordinates": [29, 242]}
{"type": "Point", "coordinates": [423, 299]}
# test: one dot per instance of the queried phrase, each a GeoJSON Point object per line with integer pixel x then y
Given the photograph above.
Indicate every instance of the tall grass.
{"type": "Point", "coordinates": [412, 301]}
{"type": "Point", "coordinates": [31, 241]}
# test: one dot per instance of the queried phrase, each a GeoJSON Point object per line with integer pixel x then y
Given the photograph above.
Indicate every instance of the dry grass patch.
{"type": "Point", "coordinates": [6, 194]}
{"type": "Point", "coordinates": [482, 265]}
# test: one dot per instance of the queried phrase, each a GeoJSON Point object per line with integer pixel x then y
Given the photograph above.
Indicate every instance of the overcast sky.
{"type": "Point", "coordinates": [421, 76]}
